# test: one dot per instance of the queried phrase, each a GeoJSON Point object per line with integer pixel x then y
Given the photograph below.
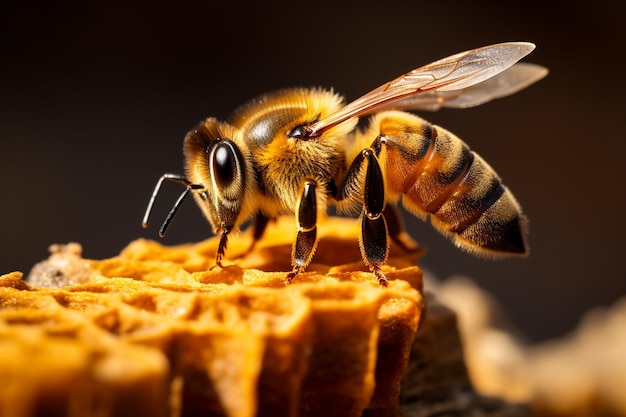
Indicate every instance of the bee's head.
{"type": "Point", "coordinates": [217, 159]}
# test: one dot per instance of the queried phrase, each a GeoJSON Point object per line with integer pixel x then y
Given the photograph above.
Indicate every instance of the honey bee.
{"type": "Point", "coordinates": [297, 151]}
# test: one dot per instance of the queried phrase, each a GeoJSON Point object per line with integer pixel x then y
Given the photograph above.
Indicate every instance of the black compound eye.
{"type": "Point", "coordinates": [225, 164]}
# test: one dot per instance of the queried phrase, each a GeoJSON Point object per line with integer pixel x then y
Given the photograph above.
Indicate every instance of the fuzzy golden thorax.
{"type": "Point", "coordinates": [282, 163]}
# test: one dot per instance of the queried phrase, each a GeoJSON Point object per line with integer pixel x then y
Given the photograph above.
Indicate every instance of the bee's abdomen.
{"type": "Point", "coordinates": [462, 193]}
{"type": "Point", "coordinates": [481, 212]}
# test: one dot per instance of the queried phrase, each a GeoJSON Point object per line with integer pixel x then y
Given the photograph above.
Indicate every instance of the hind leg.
{"type": "Point", "coordinates": [374, 239]}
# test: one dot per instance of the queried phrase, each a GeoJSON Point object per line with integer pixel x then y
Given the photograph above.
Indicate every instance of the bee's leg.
{"type": "Point", "coordinates": [373, 241]}
{"type": "Point", "coordinates": [396, 231]}
{"type": "Point", "coordinates": [260, 224]}
{"type": "Point", "coordinates": [306, 239]}
{"type": "Point", "coordinates": [258, 229]}
{"type": "Point", "coordinates": [221, 247]}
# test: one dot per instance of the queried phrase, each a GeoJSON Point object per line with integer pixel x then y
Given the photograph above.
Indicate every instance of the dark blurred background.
{"type": "Point", "coordinates": [96, 98]}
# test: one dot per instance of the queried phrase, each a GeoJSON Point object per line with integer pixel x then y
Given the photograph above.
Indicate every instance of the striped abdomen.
{"type": "Point", "coordinates": [436, 173]}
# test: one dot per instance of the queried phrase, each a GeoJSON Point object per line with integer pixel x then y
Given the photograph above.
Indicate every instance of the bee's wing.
{"type": "Point", "coordinates": [508, 82]}
{"type": "Point", "coordinates": [456, 72]}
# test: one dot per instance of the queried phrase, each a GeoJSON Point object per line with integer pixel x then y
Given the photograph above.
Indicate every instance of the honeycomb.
{"type": "Point", "coordinates": [158, 331]}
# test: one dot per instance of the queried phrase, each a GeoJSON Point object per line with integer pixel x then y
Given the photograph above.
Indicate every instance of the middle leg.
{"type": "Point", "coordinates": [306, 239]}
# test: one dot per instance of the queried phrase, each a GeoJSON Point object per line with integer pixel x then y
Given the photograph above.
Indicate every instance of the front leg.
{"type": "Point", "coordinates": [306, 239]}
{"type": "Point", "coordinates": [373, 241]}
{"type": "Point", "coordinates": [221, 247]}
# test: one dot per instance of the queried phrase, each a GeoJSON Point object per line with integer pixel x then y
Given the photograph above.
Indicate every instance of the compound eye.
{"type": "Point", "coordinates": [225, 164]}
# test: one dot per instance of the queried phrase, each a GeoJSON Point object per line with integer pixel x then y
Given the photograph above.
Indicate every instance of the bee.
{"type": "Point", "coordinates": [298, 151]}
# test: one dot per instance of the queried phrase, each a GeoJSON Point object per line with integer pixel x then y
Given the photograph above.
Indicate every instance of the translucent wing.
{"type": "Point", "coordinates": [508, 82]}
{"type": "Point", "coordinates": [448, 77]}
